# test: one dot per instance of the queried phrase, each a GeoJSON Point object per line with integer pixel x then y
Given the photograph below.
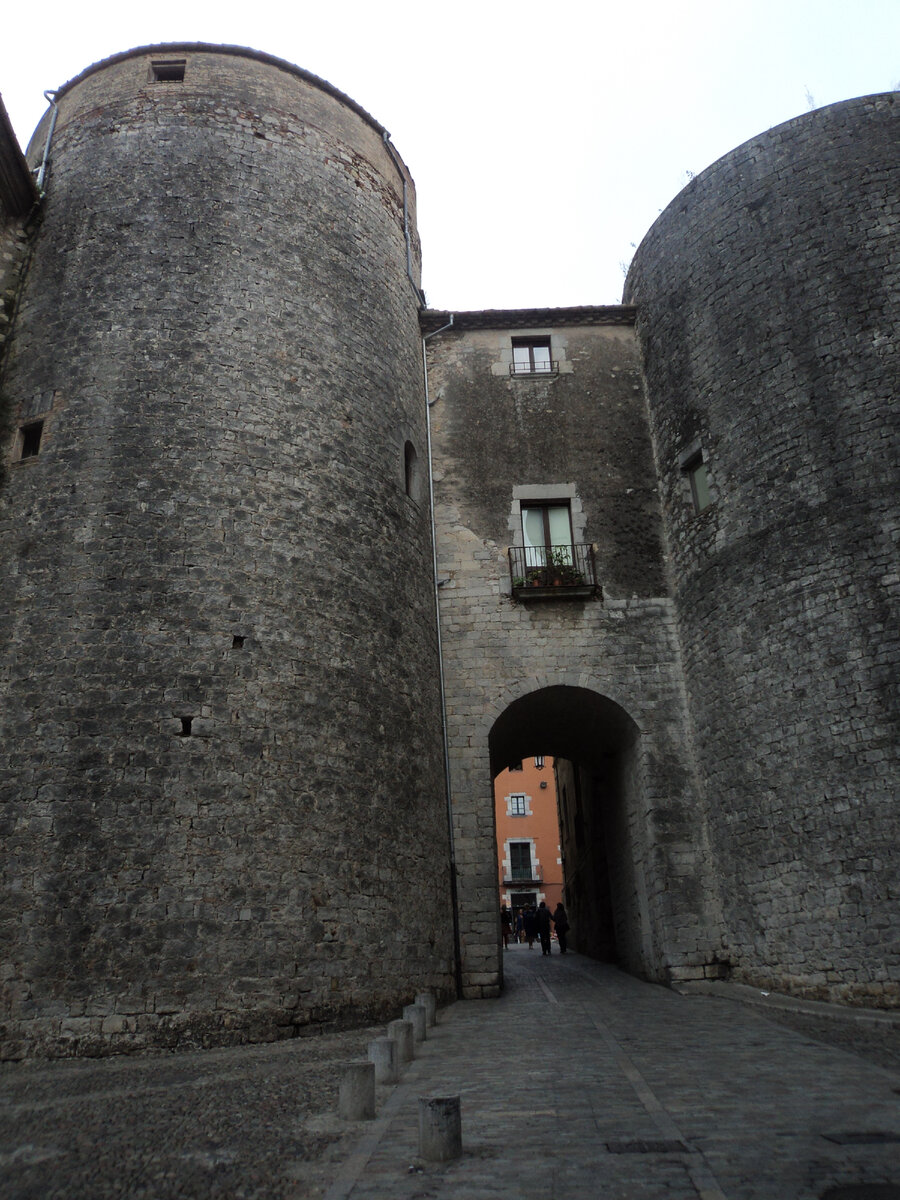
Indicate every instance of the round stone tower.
{"type": "Point", "coordinates": [767, 297]}
{"type": "Point", "coordinates": [220, 750]}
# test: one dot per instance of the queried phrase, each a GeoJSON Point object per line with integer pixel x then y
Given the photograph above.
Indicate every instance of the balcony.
{"type": "Point", "coordinates": [553, 572]}
{"type": "Point", "coordinates": [540, 367]}
{"type": "Point", "coordinates": [522, 875]}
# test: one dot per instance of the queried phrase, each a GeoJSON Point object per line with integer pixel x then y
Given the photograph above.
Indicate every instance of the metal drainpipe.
{"type": "Point", "coordinates": [454, 895]}
{"type": "Point", "coordinates": [420, 295]}
{"type": "Point", "coordinates": [50, 97]}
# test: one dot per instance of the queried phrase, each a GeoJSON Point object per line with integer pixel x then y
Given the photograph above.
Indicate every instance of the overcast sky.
{"type": "Point", "coordinates": [544, 139]}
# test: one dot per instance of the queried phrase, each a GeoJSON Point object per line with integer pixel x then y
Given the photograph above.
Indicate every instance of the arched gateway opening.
{"type": "Point", "coordinates": [596, 745]}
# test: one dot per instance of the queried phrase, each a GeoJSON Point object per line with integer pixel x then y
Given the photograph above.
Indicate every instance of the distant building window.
{"type": "Point", "coordinates": [517, 806]}
{"type": "Point", "coordinates": [531, 356]}
{"type": "Point", "coordinates": [30, 439]}
{"type": "Point", "coordinates": [520, 860]}
{"type": "Point", "coordinates": [695, 469]}
{"type": "Point", "coordinates": [539, 760]}
{"type": "Point", "coordinates": [168, 72]}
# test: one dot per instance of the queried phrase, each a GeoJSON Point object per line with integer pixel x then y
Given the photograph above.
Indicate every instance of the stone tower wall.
{"type": "Point", "coordinates": [220, 756]}
{"type": "Point", "coordinates": [18, 199]}
{"type": "Point", "coordinates": [767, 298]}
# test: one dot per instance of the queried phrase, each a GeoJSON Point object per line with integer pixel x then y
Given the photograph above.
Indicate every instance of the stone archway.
{"type": "Point", "coordinates": [639, 866]}
{"type": "Point", "coordinates": [602, 835]}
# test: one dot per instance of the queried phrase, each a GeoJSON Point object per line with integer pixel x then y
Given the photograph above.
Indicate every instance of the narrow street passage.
{"type": "Point", "coordinates": [584, 1082]}
{"type": "Point", "coordinates": [579, 1082]}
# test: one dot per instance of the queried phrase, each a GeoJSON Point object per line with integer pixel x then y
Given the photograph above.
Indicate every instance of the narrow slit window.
{"type": "Point", "coordinates": [695, 469]}
{"type": "Point", "coordinates": [168, 72]}
{"type": "Point", "coordinates": [31, 439]}
{"type": "Point", "coordinates": [411, 471]}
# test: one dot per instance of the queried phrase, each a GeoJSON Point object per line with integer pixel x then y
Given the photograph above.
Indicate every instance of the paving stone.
{"type": "Point", "coordinates": [579, 1081]}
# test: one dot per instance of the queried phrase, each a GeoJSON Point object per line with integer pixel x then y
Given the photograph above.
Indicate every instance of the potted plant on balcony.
{"type": "Point", "coordinates": [561, 571]}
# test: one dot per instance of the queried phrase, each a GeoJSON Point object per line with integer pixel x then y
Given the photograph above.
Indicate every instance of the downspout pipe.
{"type": "Point", "coordinates": [420, 295]}
{"type": "Point", "coordinates": [50, 97]}
{"type": "Point", "coordinates": [454, 892]}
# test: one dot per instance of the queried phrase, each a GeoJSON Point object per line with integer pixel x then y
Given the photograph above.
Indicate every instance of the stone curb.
{"type": "Point", "coordinates": [744, 994]}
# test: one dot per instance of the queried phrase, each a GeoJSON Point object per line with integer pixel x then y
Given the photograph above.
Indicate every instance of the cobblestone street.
{"type": "Point", "coordinates": [579, 1082]}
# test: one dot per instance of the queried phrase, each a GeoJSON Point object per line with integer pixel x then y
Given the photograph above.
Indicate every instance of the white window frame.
{"type": "Point", "coordinates": [507, 861]}
{"type": "Point", "coordinates": [526, 804]}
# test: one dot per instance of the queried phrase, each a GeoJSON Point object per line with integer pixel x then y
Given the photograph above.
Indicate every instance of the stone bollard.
{"type": "Point", "coordinates": [403, 1034]}
{"type": "Point", "coordinates": [383, 1053]}
{"type": "Point", "coordinates": [427, 998]}
{"type": "Point", "coordinates": [357, 1091]}
{"type": "Point", "coordinates": [418, 1014]}
{"type": "Point", "coordinates": [440, 1129]}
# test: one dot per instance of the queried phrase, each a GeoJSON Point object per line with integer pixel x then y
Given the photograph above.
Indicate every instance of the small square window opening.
{"type": "Point", "coordinates": [31, 439]}
{"type": "Point", "coordinates": [168, 72]}
{"type": "Point", "coordinates": [517, 806]}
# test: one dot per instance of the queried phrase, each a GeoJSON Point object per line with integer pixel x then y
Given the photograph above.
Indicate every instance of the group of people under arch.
{"type": "Point", "coordinates": [529, 924]}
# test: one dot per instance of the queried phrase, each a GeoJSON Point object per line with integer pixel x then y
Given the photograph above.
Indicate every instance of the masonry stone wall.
{"type": "Point", "coordinates": [221, 790]}
{"type": "Point", "coordinates": [13, 247]}
{"type": "Point", "coordinates": [220, 755]}
{"type": "Point", "coordinates": [565, 677]}
{"type": "Point", "coordinates": [18, 200]}
{"type": "Point", "coordinates": [767, 297]}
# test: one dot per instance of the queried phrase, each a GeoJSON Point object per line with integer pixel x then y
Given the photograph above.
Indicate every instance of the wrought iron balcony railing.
{"type": "Point", "coordinates": [530, 874]}
{"type": "Point", "coordinates": [552, 572]}
{"type": "Point", "coordinates": [542, 367]}
{"type": "Point", "coordinates": [524, 873]}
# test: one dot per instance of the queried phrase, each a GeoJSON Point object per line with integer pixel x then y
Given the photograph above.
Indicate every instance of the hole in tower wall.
{"type": "Point", "coordinates": [168, 72]}
{"type": "Point", "coordinates": [237, 642]}
{"type": "Point", "coordinates": [30, 436]}
{"type": "Point", "coordinates": [186, 723]}
{"type": "Point", "coordinates": [411, 472]}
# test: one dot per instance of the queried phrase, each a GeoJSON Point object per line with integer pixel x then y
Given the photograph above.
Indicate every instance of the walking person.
{"type": "Point", "coordinates": [530, 923]}
{"type": "Point", "coordinates": [505, 925]}
{"type": "Point", "coordinates": [543, 926]}
{"type": "Point", "coordinates": [561, 922]}
{"type": "Point", "coordinates": [520, 926]}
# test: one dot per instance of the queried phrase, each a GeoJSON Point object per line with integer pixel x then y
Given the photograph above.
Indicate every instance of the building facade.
{"type": "Point", "coordinates": [529, 866]}
{"type": "Point", "coordinates": [665, 545]}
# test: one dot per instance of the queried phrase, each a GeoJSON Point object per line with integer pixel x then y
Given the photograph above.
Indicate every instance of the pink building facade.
{"type": "Point", "coordinates": [528, 850]}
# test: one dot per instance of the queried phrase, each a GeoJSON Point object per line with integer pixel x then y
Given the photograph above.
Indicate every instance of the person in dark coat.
{"type": "Point", "coordinates": [505, 925]}
{"type": "Point", "coordinates": [561, 923]}
{"type": "Point", "coordinates": [543, 927]}
{"type": "Point", "coordinates": [530, 922]}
